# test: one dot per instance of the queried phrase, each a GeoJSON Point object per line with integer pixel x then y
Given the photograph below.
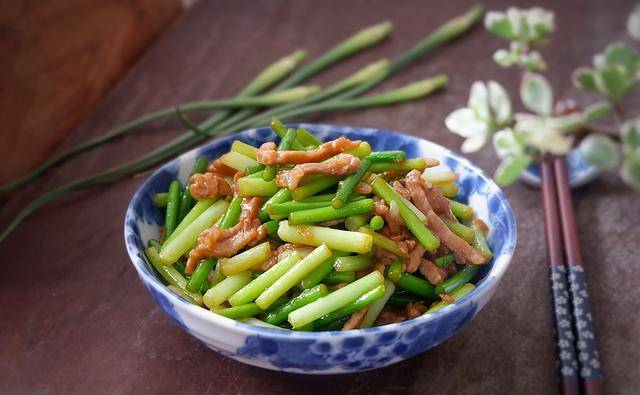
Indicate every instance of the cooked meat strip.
{"type": "Point", "coordinates": [431, 162]}
{"type": "Point", "coordinates": [392, 219]}
{"type": "Point", "coordinates": [415, 309]}
{"type": "Point", "coordinates": [482, 225]}
{"type": "Point", "coordinates": [379, 266]}
{"type": "Point", "coordinates": [268, 154]}
{"type": "Point", "coordinates": [450, 270]}
{"type": "Point", "coordinates": [221, 169]}
{"type": "Point", "coordinates": [402, 191]}
{"type": "Point", "coordinates": [415, 258]}
{"type": "Point", "coordinates": [460, 247]}
{"type": "Point", "coordinates": [390, 315]}
{"type": "Point", "coordinates": [383, 256]}
{"type": "Point", "coordinates": [275, 257]}
{"type": "Point", "coordinates": [432, 272]}
{"type": "Point", "coordinates": [340, 165]}
{"type": "Point", "coordinates": [355, 320]}
{"type": "Point", "coordinates": [438, 202]}
{"type": "Point", "coordinates": [208, 185]}
{"type": "Point", "coordinates": [215, 242]}
{"type": "Point", "coordinates": [447, 298]}
{"type": "Point", "coordinates": [363, 188]}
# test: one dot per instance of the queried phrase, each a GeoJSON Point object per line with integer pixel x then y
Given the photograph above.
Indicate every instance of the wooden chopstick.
{"type": "Point", "coordinates": [564, 337]}
{"type": "Point", "coordinates": [588, 357]}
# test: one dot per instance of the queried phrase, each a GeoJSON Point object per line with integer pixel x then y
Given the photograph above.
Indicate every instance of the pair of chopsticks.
{"type": "Point", "coordinates": [576, 350]}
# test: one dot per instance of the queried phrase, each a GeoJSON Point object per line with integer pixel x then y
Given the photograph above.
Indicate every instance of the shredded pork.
{"type": "Point", "coordinates": [432, 272]}
{"type": "Point", "coordinates": [341, 165]}
{"type": "Point", "coordinates": [216, 242]}
{"type": "Point", "coordinates": [217, 167]}
{"type": "Point", "coordinates": [416, 185]}
{"type": "Point", "coordinates": [390, 315]}
{"type": "Point", "coordinates": [268, 154]}
{"type": "Point", "coordinates": [208, 186]}
{"type": "Point", "coordinates": [415, 309]}
{"type": "Point", "coordinates": [356, 319]}
{"type": "Point", "coordinates": [415, 258]}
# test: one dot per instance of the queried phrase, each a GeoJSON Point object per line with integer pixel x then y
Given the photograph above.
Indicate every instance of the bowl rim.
{"type": "Point", "coordinates": [495, 273]}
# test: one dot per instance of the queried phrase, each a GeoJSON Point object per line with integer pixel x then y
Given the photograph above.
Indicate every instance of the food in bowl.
{"type": "Point", "coordinates": [314, 236]}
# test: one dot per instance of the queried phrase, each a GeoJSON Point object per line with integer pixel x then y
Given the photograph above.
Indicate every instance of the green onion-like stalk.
{"type": "Point", "coordinates": [336, 239]}
{"type": "Point", "coordinates": [266, 78]}
{"type": "Point", "coordinates": [252, 290]}
{"type": "Point", "coordinates": [444, 34]}
{"type": "Point", "coordinates": [376, 307]}
{"type": "Point", "coordinates": [289, 279]}
{"type": "Point", "coordinates": [183, 241]}
{"type": "Point", "coordinates": [335, 300]}
{"type": "Point", "coordinates": [220, 292]}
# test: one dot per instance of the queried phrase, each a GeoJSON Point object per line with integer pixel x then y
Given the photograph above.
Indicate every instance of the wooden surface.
{"type": "Point", "coordinates": [60, 58]}
{"type": "Point", "coordinates": [76, 320]}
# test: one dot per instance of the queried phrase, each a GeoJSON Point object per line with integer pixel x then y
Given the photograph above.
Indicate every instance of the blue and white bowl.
{"type": "Point", "coordinates": [579, 170]}
{"type": "Point", "coordinates": [326, 352]}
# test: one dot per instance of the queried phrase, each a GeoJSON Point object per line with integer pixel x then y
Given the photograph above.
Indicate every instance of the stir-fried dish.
{"type": "Point", "coordinates": [315, 236]}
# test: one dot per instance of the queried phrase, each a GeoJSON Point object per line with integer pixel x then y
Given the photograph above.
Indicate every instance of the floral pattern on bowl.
{"type": "Point", "coordinates": [326, 352]}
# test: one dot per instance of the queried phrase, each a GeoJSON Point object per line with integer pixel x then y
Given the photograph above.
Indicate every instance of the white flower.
{"type": "Point", "coordinates": [583, 357]}
{"type": "Point", "coordinates": [585, 372]}
{"type": "Point", "coordinates": [564, 343]}
{"type": "Point", "coordinates": [589, 317]}
{"type": "Point", "coordinates": [561, 310]}
{"type": "Point", "coordinates": [577, 300]}
{"type": "Point", "coordinates": [581, 344]}
{"type": "Point", "coordinates": [587, 335]}
{"type": "Point", "coordinates": [564, 323]}
{"type": "Point", "coordinates": [595, 363]}
{"type": "Point", "coordinates": [561, 300]}
{"type": "Point", "coordinates": [488, 109]}
{"type": "Point", "coordinates": [581, 324]}
{"type": "Point", "coordinates": [578, 311]}
{"type": "Point", "coordinates": [583, 293]}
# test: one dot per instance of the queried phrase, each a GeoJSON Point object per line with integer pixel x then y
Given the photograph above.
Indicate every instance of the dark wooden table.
{"type": "Point", "coordinates": [75, 319]}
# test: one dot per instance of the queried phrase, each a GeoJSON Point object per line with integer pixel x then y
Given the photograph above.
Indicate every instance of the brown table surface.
{"type": "Point", "coordinates": [75, 319]}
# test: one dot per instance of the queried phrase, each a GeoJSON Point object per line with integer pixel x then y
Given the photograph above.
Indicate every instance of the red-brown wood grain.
{"type": "Point", "coordinates": [59, 58]}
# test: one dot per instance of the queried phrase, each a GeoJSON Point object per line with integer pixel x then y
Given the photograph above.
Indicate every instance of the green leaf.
{"type": "Point", "coordinates": [500, 103]}
{"type": "Point", "coordinates": [473, 144]}
{"type": "Point", "coordinates": [479, 101]}
{"type": "Point", "coordinates": [498, 24]}
{"type": "Point", "coordinates": [533, 61]}
{"type": "Point", "coordinates": [540, 133]}
{"type": "Point", "coordinates": [597, 110]}
{"type": "Point", "coordinates": [506, 143]}
{"type": "Point", "coordinates": [612, 82]}
{"type": "Point", "coordinates": [567, 123]}
{"type": "Point", "coordinates": [630, 170]}
{"type": "Point", "coordinates": [621, 54]}
{"type": "Point", "coordinates": [600, 151]}
{"type": "Point", "coordinates": [584, 78]}
{"type": "Point", "coordinates": [536, 94]}
{"type": "Point", "coordinates": [633, 23]}
{"type": "Point", "coordinates": [465, 123]}
{"type": "Point", "coordinates": [516, 24]}
{"type": "Point", "coordinates": [509, 170]}
{"type": "Point", "coordinates": [630, 135]}
{"type": "Point", "coordinates": [504, 58]}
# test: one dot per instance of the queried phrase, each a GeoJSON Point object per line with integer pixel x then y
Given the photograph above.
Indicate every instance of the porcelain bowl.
{"type": "Point", "coordinates": [326, 352]}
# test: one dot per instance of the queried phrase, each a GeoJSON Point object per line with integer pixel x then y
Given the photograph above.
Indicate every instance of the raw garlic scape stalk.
{"type": "Point", "coordinates": [552, 128]}
{"type": "Point", "coordinates": [277, 90]}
